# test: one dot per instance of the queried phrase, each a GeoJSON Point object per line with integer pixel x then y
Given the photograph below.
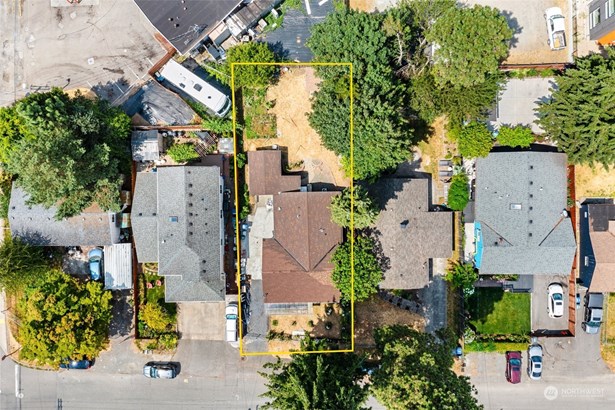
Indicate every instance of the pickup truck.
{"type": "Point", "coordinates": [556, 28]}
{"type": "Point", "coordinates": [593, 312]}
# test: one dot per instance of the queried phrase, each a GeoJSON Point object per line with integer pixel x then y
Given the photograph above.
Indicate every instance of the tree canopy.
{"type": "Point", "coordinates": [315, 381]}
{"type": "Point", "coordinates": [69, 152]}
{"type": "Point", "coordinates": [20, 264]}
{"type": "Point", "coordinates": [382, 136]}
{"type": "Point", "coordinates": [63, 318]}
{"type": "Point", "coordinates": [519, 136]}
{"type": "Point", "coordinates": [470, 43]}
{"type": "Point", "coordinates": [247, 75]}
{"type": "Point", "coordinates": [367, 271]}
{"type": "Point", "coordinates": [580, 115]}
{"type": "Point", "coordinates": [458, 194]}
{"type": "Point", "coordinates": [462, 276]}
{"type": "Point", "coordinates": [415, 373]}
{"type": "Point", "coordinates": [365, 210]}
{"type": "Point", "coordinates": [475, 140]}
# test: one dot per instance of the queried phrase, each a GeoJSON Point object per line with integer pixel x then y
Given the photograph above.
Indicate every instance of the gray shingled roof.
{"type": "Point", "coordinates": [186, 233]}
{"type": "Point", "coordinates": [409, 234]}
{"type": "Point", "coordinates": [520, 197]}
{"type": "Point", "coordinates": [36, 224]}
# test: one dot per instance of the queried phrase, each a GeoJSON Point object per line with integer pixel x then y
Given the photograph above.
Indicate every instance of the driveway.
{"type": "Point", "coordinates": [574, 377]}
{"type": "Point", "coordinates": [526, 17]}
{"type": "Point", "coordinates": [201, 320]}
{"type": "Point", "coordinates": [540, 312]}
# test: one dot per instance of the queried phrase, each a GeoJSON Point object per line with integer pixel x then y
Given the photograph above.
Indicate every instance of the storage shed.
{"type": "Point", "coordinates": [118, 266]}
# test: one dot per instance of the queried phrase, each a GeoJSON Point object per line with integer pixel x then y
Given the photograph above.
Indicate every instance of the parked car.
{"type": "Point", "coordinates": [593, 316]}
{"type": "Point", "coordinates": [231, 322]}
{"type": "Point", "coordinates": [95, 261]}
{"type": "Point", "coordinates": [556, 300]}
{"type": "Point", "coordinates": [157, 370]}
{"type": "Point", "coordinates": [534, 361]}
{"type": "Point", "coordinates": [82, 364]}
{"type": "Point", "coordinates": [556, 28]}
{"type": "Point", "coordinates": [513, 367]}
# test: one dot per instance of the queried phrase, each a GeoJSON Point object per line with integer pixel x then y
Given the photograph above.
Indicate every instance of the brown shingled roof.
{"type": "Point", "coordinates": [285, 280]}
{"type": "Point", "coordinates": [302, 225]}
{"type": "Point", "coordinates": [265, 174]}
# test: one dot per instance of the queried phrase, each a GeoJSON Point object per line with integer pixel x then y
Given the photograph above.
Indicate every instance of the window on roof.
{"type": "Point", "coordinates": [173, 219]}
{"type": "Point", "coordinates": [515, 207]}
{"type": "Point", "coordinates": [594, 18]}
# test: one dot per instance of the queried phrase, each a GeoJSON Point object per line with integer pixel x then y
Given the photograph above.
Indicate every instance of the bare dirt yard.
{"type": "Point", "coordinates": [314, 325]}
{"type": "Point", "coordinates": [375, 313]}
{"type": "Point", "coordinates": [294, 134]}
{"type": "Point", "coordinates": [597, 182]}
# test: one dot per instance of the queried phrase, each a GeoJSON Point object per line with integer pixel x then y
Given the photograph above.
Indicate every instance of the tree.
{"type": "Point", "coordinates": [580, 115]}
{"type": "Point", "coordinates": [220, 126]}
{"type": "Point", "coordinates": [519, 136]}
{"type": "Point", "coordinates": [367, 271]}
{"type": "Point", "coordinates": [73, 152]}
{"type": "Point", "coordinates": [458, 195]}
{"type": "Point", "coordinates": [12, 130]}
{"type": "Point", "coordinates": [62, 318]}
{"type": "Point", "coordinates": [475, 140]}
{"type": "Point", "coordinates": [315, 381]}
{"type": "Point", "coordinates": [20, 264]}
{"type": "Point", "coordinates": [155, 317]}
{"type": "Point", "coordinates": [247, 75]}
{"type": "Point", "coordinates": [365, 210]}
{"type": "Point", "coordinates": [181, 153]}
{"type": "Point", "coordinates": [471, 43]}
{"type": "Point", "coordinates": [415, 373]}
{"type": "Point", "coordinates": [462, 276]}
{"type": "Point", "coordinates": [381, 134]}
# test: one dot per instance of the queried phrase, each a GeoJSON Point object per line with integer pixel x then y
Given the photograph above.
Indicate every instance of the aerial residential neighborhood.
{"type": "Point", "coordinates": [302, 204]}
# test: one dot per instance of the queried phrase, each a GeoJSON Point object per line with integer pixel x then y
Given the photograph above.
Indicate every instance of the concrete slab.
{"type": "Point", "coordinates": [540, 315]}
{"type": "Point", "coordinates": [519, 99]}
{"type": "Point", "coordinates": [201, 321]}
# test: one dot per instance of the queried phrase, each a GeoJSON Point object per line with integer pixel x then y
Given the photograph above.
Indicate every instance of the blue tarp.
{"type": "Point", "coordinates": [478, 239]}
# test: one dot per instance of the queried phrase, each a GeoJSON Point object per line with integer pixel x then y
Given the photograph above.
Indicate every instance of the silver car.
{"type": "Point", "coordinates": [534, 361]}
{"type": "Point", "coordinates": [154, 370]}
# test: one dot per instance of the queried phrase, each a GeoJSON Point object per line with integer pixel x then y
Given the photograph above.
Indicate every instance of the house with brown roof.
{"type": "Point", "coordinates": [410, 234]}
{"type": "Point", "coordinates": [598, 246]}
{"type": "Point", "coordinates": [296, 259]}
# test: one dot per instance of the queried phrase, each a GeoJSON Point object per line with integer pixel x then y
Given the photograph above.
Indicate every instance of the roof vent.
{"type": "Point", "coordinates": [531, 221]}
{"type": "Point", "coordinates": [140, 214]}
{"type": "Point", "coordinates": [531, 182]}
{"type": "Point", "coordinates": [189, 185]}
{"type": "Point", "coordinates": [529, 234]}
{"type": "Point", "coordinates": [279, 209]}
{"type": "Point", "coordinates": [404, 224]}
{"type": "Point", "coordinates": [531, 166]}
{"type": "Point", "coordinates": [321, 230]}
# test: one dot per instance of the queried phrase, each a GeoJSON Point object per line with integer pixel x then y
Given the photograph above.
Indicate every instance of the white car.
{"type": "Point", "coordinates": [534, 361]}
{"type": "Point", "coordinates": [556, 300]}
{"type": "Point", "coordinates": [556, 28]}
{"type": "Point", "coordinates": [231, 322]}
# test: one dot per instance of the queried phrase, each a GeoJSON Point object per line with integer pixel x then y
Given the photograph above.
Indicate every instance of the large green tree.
{"type": "Point", "coordinates": [580, 115]}
{"type": "Point", "coordinates": [469, 44]}
{"type": "Point", "coordinates": [253, 75]}
{"type": "Point", "coordinates": [518, 136]}
{"type": "Point", "coordinates": [20, 264]}
{"type": "Point", "coordinates": [315, 381]}
{"type": "Point", "coordinates": [367, 271]}
{"type": "Point", "coordinates": [74, 152]}
{"type": "Point", "coordinates": [458, 194]}
{"type": "Point", "coordinates": [364, 213]}
{"type": "Point", "coordinates": [415, 373]}
{"type": "Point", "coordinates": [475, 140]}
{"type": "Point", "coordinates": [62, 318]}
{"type": "Point", "coordinates": [382, 136]}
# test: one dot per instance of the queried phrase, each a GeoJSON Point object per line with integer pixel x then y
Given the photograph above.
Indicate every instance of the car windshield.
{"type": "Point", "coordinates": [557, 296]}
{"type": "Point", "coordinates": [515, 362]}
{"type": "Point", "coordinates": [537, 359]}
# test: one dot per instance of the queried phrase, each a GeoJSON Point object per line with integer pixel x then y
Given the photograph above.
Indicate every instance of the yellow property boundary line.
{"type": "Point", "coordinates": [238, 275]}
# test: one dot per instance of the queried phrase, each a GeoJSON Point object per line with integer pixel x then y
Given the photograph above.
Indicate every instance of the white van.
{"type": "Point", "coordinates": [231, 322]}
{"type": "Point", "coordinates": [196, 87]}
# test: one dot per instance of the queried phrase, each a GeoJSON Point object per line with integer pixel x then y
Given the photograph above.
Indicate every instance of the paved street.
{"type": "Point", "coordinates": [574, 377]}
{"type": "Point", "coordinates": [212, 377]}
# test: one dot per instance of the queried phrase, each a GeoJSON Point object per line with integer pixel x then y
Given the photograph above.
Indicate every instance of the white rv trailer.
{"type": "Point", "coordinates": [196, 87]}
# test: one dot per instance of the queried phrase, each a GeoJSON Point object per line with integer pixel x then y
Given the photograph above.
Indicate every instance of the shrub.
{"type": "Point", "coordinates": [183, 152]}
{"type": "Point", "coordinates": [274, 322]}
{"type": "Point", "coordinates": [167, 341]}
{"type": "Point", "coordinates": [462, 277]}
{"type": "Point", "coordinates": [155, 317]}
{"type": "Point", "coordinates": [458, 194]}
{"type": "Point", "coordinates": [475, 140]}
{"type": "Point", "coordinates": [519, 136]}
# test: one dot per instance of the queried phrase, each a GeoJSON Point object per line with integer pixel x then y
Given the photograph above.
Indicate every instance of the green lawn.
{"type": "Point", "coordinates": [494, 311]}
{"type": "Point", "coordinates": [493, 347]}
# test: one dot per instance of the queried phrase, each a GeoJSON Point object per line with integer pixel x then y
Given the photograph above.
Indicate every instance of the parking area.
{"type": "Point", "coordinates": [526, 17]}
{"type": "Point", "coordinates": [107, 47]}
{"type": "Point", "coordinates": [540, 300]}
{"type": "Point", "coordinates": [202, 321]}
